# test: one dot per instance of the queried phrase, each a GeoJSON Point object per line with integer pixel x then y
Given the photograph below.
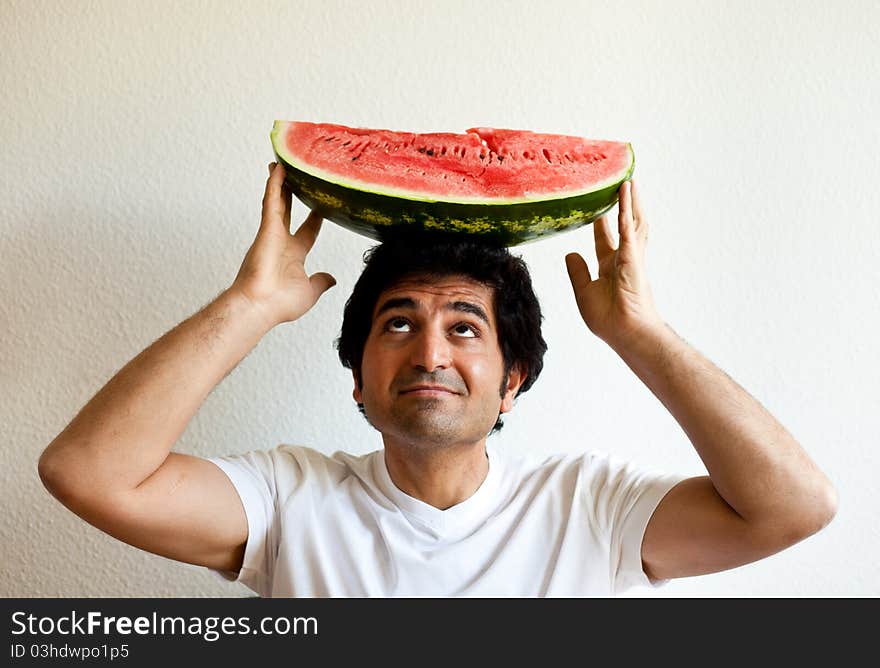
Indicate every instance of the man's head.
{"type": "Point", "coordinates": [439, 310]}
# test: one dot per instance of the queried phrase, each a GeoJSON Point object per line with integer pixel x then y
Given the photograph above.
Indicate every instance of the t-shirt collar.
{"type": "Point", "coordinates": [451, 520]}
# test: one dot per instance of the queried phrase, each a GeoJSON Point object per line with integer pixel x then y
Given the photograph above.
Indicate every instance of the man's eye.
{"type": "Point", "coordinates": [466, 330]}
{"type": "Point", "coordinates": [394, 323]}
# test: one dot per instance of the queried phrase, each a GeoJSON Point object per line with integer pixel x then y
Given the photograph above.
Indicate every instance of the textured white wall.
{"type": "Point", "coordinates": [135, 138]}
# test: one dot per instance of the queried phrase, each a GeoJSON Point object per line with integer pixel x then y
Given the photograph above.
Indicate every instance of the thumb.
{"type": "Point", "coordinates": [321, 282]}
{"type": "Point", "coordinates": [578, 272]}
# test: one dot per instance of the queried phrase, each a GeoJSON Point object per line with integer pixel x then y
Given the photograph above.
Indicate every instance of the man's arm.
{"type": "Point", "coordinates": [113, 465]}
{"type": "Point", "coordinates": [763, 493]}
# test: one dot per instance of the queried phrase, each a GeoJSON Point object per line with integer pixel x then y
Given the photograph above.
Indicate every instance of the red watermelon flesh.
{"type": "Point", "coordinates": [480, 165]}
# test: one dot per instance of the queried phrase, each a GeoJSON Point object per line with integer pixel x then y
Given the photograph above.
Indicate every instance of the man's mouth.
{"type": "Point", "coordinates": [428, 390]}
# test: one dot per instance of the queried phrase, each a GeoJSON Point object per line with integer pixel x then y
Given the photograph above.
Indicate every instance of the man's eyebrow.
{"type": "Point", "coordinates": [396, 302]}
{"type": "Point", "coordinates": [410, 303]}
{"type": "Point", "coordinates": [467, 307]}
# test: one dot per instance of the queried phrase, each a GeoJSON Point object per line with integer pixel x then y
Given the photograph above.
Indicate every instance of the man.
{"type": "Point", "coordinates": [437, 355]}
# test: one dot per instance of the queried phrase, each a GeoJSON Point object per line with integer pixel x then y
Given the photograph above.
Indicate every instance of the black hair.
{"type": "Point", "coordinates": [437, 254]}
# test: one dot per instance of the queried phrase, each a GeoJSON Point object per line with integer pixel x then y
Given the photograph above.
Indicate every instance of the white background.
{"type": "Point", "coordinates": [135, 138]}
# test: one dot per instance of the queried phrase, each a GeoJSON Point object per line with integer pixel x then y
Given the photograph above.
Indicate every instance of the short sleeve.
{"type": "Point", "coordinates": [254, 478]}
{"type": "Point", "coordinates": [624, 498]}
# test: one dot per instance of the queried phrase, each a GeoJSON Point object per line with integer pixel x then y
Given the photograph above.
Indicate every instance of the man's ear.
{"type": "Point", "coordinates": [515, 378]}
{"type": "Point", "coordinates": [358, 397]}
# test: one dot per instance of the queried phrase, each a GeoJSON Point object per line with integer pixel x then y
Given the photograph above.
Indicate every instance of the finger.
{"type": "Point", "coordinates": [639, 224]}
{"type": "Point", "coordinates": [632, 241]}
{"type": "Point", "coordinates": [605, 245]}
{"type": "Point", "coordinates": [285, 196]}
{"type": "Point", "coordinates": [638, 216]}
{"type": "Point", "coordinates": [286, 200]}
{"type": "Point", "coordinates": [273, 201]}
{"type": "Point", "coordinates": [321, 282]}
{"type": "Point", "coordinates": [624, 214]}
{"type": "Point", "coordinates": [578, 272]}
{"type": "Point", "coordinates": [308, 231]}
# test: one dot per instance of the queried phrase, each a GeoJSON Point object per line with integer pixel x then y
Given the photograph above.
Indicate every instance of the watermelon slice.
{"type": "Point", "coordinates": [504, 186]}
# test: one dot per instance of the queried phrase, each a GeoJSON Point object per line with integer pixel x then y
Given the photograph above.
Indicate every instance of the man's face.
{"type": "Point", "coordinates": [440, 333]}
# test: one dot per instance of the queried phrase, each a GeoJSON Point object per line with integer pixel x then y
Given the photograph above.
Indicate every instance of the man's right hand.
{"type": "Point", "coordinates": [272, 275]}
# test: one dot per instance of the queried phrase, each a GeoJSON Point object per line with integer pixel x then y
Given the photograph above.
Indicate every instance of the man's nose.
{"type": "Point", "coordinates": [431, 350]}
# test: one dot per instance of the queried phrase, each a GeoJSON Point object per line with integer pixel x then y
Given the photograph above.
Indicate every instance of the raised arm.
{"type": "Point", "coordinates": [113, 465]}
{"type": "Point", "coordinates": [763, 492]}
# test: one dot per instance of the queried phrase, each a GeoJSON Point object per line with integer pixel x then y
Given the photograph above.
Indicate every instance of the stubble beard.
{"type": "Point", "coordinates": [428, 426]}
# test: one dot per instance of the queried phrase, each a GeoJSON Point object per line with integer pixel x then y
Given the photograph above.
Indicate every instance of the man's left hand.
{"type": "Point", "coordinates": [617, 305]}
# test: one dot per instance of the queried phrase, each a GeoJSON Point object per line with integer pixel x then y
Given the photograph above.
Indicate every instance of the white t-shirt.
{"type": "Point", "coordinates": [337, 526]}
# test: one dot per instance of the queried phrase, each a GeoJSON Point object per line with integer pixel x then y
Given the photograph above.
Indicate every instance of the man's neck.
{"type": "Point", "coordinates": [441, 477]}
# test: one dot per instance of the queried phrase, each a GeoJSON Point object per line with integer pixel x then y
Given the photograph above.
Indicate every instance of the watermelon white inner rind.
{"type": "Point", "coordinates": [483, 166]}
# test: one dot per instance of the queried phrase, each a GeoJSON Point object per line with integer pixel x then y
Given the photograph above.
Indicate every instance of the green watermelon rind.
{"type": "Point", "coordinates": [378, 215]}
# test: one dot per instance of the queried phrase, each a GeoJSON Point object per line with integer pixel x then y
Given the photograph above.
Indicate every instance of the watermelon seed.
{"type": "Point", "coordinates": [546, 155]}
{"type": "Point", "coordinates": [347, 143]}
{"type": "Point", "coordinates": [482, 156]}
{"type": "Point", "coordinates": [500, 158]}
{"type": "Point", "coordinates": [443, 151]}
{"type": "Point", "coordinates": [430, 151]}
